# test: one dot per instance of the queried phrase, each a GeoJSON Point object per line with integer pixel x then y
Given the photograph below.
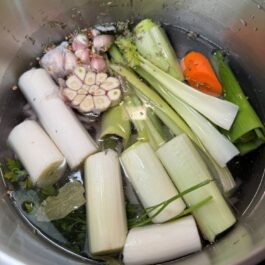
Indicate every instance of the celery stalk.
{"type": "Point", "coordinates": [247, 132]}
{"type": "Point", "coordinates": [153, 43]}
{"type": "Point", "coordinates": [177, 157]}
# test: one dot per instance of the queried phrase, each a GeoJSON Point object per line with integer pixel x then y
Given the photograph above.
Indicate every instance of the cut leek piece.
{"type": "Point", "coordinates": [157, 243]}
{"type": "Point", "coordinates": [116, 122]}
{"type": "Point", "coordinates": [153, 43]}
{"type": "Point", "coordinates": [38, 154]}
{"type": "Point", "coordinates": [147, 127]}
{"type": "Point", "coordinates": [57, 119]}
{"type": "Point", "coordinates": [106, 218]}
{"type": "Point", "coordinates": [186, 168]}
{"type": "Point", "coordinates": [150, 180]}
{"type": "Point", "coordinates": [247, 132]}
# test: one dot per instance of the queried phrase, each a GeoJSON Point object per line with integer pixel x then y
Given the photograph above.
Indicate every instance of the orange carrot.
{"type": "Point", "coordinates": [199, 73]}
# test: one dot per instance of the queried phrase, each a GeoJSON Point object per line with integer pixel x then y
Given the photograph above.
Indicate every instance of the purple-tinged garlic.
{"type": "Point", "coordinates": [88, 91]}
{"type": "Point", "coordinates": [102, 43]}
{"type": "Point", "coordinates": [98, 63]}
{"type": "Point", "coordinates": [59, 61]}
{"type": "Point", "coordinates": [83, 56]}
{"type": "Point", "coordinates": [80, 42]}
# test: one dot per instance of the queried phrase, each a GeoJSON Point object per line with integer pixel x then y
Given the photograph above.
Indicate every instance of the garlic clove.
{"type": "Point", "coordinates": [90, 78]}
{"type": "Point", "coordinates": [110, 83]}
{"type": "Point", "coordinates": [80, 42]}
{"type": "Point", "coordinates": [73, 82]}
{"type": "Point", "coordinates": [102, 42]}
{"type": "Point", "coordinates": [78, 99]}
{"type": "Point", "coordinates": [69, 94]}
{"type": "Point", "coordinates": [80, 72]}
{"type": "Point", "coordinates": [100, 78]}
{"type": "Point", "coordinates": [101, 103]}
{"type": "Point", "coordinates": [87, 104]}
{"type": "Point", "coordinates": [115, 96]}
{"type": "Point", "coordinates": [93, 89]}
{"type": "Point", "coordinates": [99, 92]}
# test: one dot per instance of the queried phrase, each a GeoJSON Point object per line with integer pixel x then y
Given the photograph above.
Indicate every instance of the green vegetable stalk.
{"type": "Point", "coordinates": [153, 43]}
{"type": "Point", "coordinates": [116, 122]}
{"type": "Point", "coordinates": [247, 132]}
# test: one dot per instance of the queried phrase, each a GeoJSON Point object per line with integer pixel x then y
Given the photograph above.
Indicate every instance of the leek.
{"type": "Point", "coordinates": [116, 122]}
{"type": "Point", "coordinates": [186, 168]}
{"type": "Point", "coordinates": [38, 154]}
{"type": "Point", "coordinates": [150, 180]}
{"type": "Point", "coordinates": [161, 242]}
{"type": "Point", "coordinates": [153, 43]}
{"type": "Point", "coordinates": [147, 127]}
{"type": "Point", "coordinates": [219, 147]}
{"type": "Point", "coordinates": [247, 132]}
{"type": "Point", "coordinates": [220, 112]}
{"type": "Point", "coordinates": [106, 218]}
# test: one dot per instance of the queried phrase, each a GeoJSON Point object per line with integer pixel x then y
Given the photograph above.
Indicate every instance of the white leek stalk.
{"type": "Point", "coordinates": [106, 218]}
{"type": "Point", "coordinates": [186, 168]}
{"type": "Point", "coordinates": [38, 154]}
{"type": "Point", "coordinates": [57, 119]}
{"type": "Point", "coordinates": [157, 243]}
{"type": "Point", "coordinates": [150, 180]}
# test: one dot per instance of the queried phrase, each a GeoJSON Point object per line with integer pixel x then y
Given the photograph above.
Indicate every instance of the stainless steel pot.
{"type": "Point", "coordinates": [238, 26]}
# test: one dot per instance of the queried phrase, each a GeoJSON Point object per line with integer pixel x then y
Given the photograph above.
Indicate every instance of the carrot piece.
{"type": "Point", "coordinates": [199, 73]}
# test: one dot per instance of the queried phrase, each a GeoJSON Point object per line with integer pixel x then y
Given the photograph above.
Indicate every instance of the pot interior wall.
{"type": "Point", "coordinates": [237, 26]}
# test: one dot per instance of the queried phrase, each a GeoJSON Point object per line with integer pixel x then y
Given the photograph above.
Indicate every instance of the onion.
{"type": "Point", "coordinates": [102, 42]}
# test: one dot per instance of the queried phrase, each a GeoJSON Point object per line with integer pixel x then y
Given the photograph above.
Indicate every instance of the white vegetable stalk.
{"type": "Point", "coordinates": [219, 147]}
{"type": "Point", "coordinates": [106, 218]}
{"type": "Point", "coordinates": [150, 180]}
{"type": "Point", "coordinates": [38, 154]}
{"type": "Point", "coordinates": [220, 112]}
{"type": "Point", "coordinates": [57, 119]}
{"type": "Point", "coordinates": [186, 168]}
{"type": "Point", "coordinates": [157, 243]}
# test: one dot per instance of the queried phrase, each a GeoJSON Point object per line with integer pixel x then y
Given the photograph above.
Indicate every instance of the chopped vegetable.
{"type": "Point", "coordinates": [106, 219]}
{"type": "Point", "coordinates": [153, 43]}
{"type": "Point", "coordinates": [199, 73]}
{"type": "Point", "coordinates": [116, 121]}
{"type": "Point", "coordinates": [57, 119]}
{"type": "Point", "coordinates": [70, 197]}
{"type": "Point", "coordinates": [177, 157]}
{"type": "Point", "coordinates": [140, 117]}
{"type": "Point", "coordinates": [39, 155]}
{"type": "Point", "coordinates": [224, 112]}
{"type": "Point", "coordinates": [150, 180]}
{"type": "Point", "coordinates": [157, 243]}
{"type": "Point", "coordinates": [92, 92]}
{"type": "Point", "coordinates": [247, 132]}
